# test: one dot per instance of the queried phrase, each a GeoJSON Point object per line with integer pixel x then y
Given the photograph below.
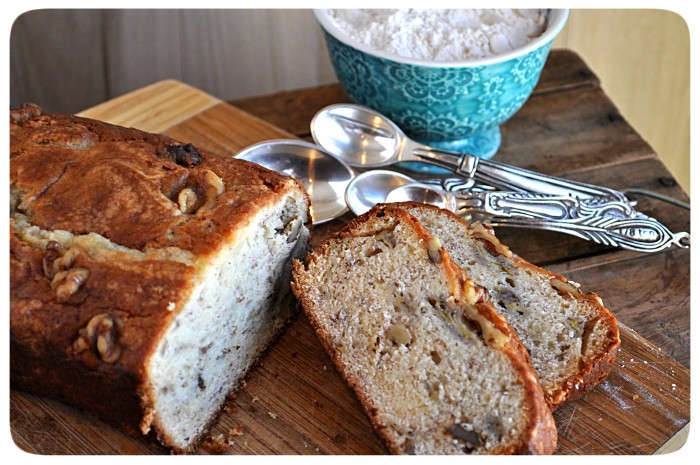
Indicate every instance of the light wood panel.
{"type": "Point", "coordinates": [167, 104]}
{"type": "Point", "coordinates": [642, 58]}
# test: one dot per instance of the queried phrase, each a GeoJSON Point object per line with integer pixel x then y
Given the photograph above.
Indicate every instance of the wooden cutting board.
{"type": "Point", "coordinates": [294, 402]}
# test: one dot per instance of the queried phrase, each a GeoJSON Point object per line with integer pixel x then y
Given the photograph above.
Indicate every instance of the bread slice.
{"type": "Point", "coordinates": [146, 276]}
{"type": "Point", "coordinates": [571, 337]}
{"type": "Point", "coordinates": [437, 370]}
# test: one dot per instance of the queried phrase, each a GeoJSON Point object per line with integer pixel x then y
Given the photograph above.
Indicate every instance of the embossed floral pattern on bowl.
{"type": "Point", "coordinates": [458, 107]}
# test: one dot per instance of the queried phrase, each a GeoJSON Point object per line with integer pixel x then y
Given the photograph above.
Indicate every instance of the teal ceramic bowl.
{"type": "Point", "coordinates": [455, 105]}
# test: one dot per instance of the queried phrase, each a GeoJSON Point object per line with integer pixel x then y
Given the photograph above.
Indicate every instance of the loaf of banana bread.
{"type": "Point", "coordinates": [146, 276]}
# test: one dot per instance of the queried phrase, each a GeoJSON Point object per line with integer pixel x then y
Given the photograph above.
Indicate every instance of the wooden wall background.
{"type": "Point", "coordinates": [642, 58]}
{"type": "Point", "coordinates": [69, 60]}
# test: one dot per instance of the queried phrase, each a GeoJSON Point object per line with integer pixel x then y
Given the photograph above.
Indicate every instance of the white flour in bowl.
{"type": "Point", "coordinates": [441, 35]}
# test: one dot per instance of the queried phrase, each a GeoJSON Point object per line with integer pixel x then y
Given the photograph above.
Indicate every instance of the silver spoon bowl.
{"type": "Point", "coordinates": [373, 187]}
{"type": "Point", "coordinates": [362, 137]}
{"type": "Point", "coordinates": [422, 193]}
{"type": "Point", "coordinates": [324, 176]}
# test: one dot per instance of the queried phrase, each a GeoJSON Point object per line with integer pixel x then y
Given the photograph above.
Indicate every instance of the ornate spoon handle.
{"type": "Point", "coordinates": [458, 185]}
{"type": "Point", "coordinates": [510, 178]}
{"type": "Point", "coordinates": [540, 206]}
{"type": "Point", "coordinates": [592, 206]}
{"type": "Point", "coordinates": [578, 217]}
{"type": "Point", "coordinates": [639, 234]}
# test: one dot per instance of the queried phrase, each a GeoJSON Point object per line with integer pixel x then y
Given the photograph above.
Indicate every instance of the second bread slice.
{"type": "Point", "coordinates": [571, 337]}
{"type": "Point", "coordinates": [437, 370]}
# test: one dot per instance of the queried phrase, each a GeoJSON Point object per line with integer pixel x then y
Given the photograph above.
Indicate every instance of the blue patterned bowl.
{"type": "Point", "coordinates": [451, 105]}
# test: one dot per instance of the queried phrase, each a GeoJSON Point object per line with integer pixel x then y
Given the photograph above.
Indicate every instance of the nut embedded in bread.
{"type": "Point", "coordinates": [571, 337]}
{"type": "Point", "coordinates": [146, 276]}
{"type": "Point", "coordinates": [437, 370]}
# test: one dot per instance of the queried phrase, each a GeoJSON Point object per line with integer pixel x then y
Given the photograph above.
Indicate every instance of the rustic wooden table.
{"type": "Point", "coordinates": [295, 403]}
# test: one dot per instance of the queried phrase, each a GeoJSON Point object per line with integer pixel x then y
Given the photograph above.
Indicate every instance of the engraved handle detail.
{"type": "Point", "coordinates": [537, 201]}
{"type": "Point", "coordinates": [548, 207]}
{"type": "Point", "coordinates": [639, 234]}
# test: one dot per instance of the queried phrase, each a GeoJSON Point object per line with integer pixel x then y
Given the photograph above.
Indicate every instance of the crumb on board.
{"type": "Point", "coordinates": [236, 431]}
{"type": "Point", "coordinates": [272, 415]}
{"type": "Point", "coordinates": [228, 408]}
{"type": "Point", "coordinates": [218, 444]}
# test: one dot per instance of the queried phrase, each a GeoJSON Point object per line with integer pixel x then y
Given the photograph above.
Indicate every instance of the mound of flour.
{"type": "Point", "coordinates": [441, 35]}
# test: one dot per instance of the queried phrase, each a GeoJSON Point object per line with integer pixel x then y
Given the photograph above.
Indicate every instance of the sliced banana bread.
{"type": "Point", "coordinates": [571, 337]}
{"type": "Point", "coordinates": [437, 370]}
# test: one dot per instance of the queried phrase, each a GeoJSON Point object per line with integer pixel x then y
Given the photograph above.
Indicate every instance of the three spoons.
{"type": "Point", "coordinates": [351, 135]}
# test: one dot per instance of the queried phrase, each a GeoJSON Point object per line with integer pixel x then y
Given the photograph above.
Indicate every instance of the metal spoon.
{"type": "Point", "coordinates": [521, 210]}
{"type": "Point", "coordinates": [372, 187]}
{"type": "Point", "coordinates": [641, 234]}
{"type": "Point", "coordinates": [364, 138]}
{"type": "Point", "coordinates": [376, 186]}
{"type": "Point", "coordinates": [324, 176]}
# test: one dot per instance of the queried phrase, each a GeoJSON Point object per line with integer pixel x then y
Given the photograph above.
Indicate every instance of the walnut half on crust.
{"type": "Point", "coordinates": [24, 113]}
{"type": "Point", "coordinates": [101, 336]}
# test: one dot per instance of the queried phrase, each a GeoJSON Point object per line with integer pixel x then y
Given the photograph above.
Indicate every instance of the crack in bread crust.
{"type": "Point", "coordinates": [97, 246]}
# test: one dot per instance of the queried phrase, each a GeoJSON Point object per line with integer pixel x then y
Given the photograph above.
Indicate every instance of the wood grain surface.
{"type": "Point", "coordinates": [294, 402]}
{"type": "Point", "coordinates": [154, 108]}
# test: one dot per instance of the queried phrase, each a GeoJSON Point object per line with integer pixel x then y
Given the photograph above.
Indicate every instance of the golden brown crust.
{"type": "Point", "coordinates": [540, 436]}
{"type": "Point", "coordinates": [82, 175]}
{"type": "Point", "coordinates": [96, 313]}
